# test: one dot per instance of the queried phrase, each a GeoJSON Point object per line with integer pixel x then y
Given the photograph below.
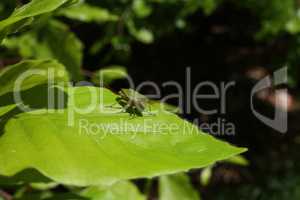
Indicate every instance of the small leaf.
{"type": "Point", "coordinates": [53, 40]}
{"type": "Point", "coordinates": [124, 190]}
{"type": "Point", "coordinates": [110, 74]}
{"type": "Point", "coordinates": [30, 73]}
{"type": "Point", "coordinates": [141, 9]}
{"type": "Point", "coordinates": [6, 109]}
{"type": "Point", "coordinates": [205, 175]}
{"type": "Point", "coordinates": [143, 35]}
{"type": "Point", "coordinates": [25, 176]}
{"type": "Point", "coordinates": [209, 6]}
{"type": "Point", "coordinates": [293, 25]}
{"type": "Point", "coordinates": [43, 186]}
{"type": "Point", "coordinates": [238, 160]}
{"type": "Point", "coordinates": [87, 13]}
{"type": "Point", "coordinates": [25, 14]}
{"type": "Point", "coordinates": [177, 187]}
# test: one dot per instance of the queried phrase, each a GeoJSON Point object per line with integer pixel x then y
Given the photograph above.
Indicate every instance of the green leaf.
{"type": "Point", "coordinates": [141, 8]}
{"type": "Point", "coordinates": [209, 6]}
{"type": "Point", "coordinates": [293, 25]}
{"type": "Point", "coordinates": [25, 176]}
{"type": "Point", "coordinates": [104, 145]}
{"type": "Point", "coordinates": [87, 13]}
{"type": "Point", "coordinates": [53, 40]}
{"type": "Point", "coordinates": [51, 196]}
{"type": "Point", "coordinates": [30, 73]}
{"type": "Point", "coordinates": [176, 187]}
{"type": "Point", "coordinates": [143, 34]}
{"type": "Point", "coordinates": [6, 109]}
{"type": "Point", "coordinates": [43, 186]}
{"type": "Point", "coordinates": [124, 190]}
{"type": "Point", "coordinates": [238, 160]}
{"type": "Point", "coordinates": [26, 13]}
{"type": "Point", "coordinates": [205, 175]}
{"type": "Point", "coordinates": [110, 74]}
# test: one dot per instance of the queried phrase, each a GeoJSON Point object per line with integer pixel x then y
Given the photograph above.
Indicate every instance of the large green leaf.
{"type": "Point", "coordinates": [177, 187]}
{"type": "Point", "coordinates": [26, 13]}
{"type": "Point", "coordinates": [30, 73]}
{"type": "Point", "coordinates": [53, 40]}
{"type": "Point", "coordinates": [102, 147]}
{"type": "Point", "coordinates": [124, 190]}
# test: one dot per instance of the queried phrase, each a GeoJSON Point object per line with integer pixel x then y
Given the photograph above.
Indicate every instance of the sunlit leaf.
{"type": "Point", "coordinates": [30, 73]}
{"type": "Point", "coordinates": [43, 186]}
{"type": "Point", "coordinates": [27, 12]}
{"type": "Point", "coordinates": [110, 74]}
{"type": "Point", "coordinates": [104, 145]}
{"type": "Point", "coordinates": [143, 34]}
{"type": "Point", "coordinates": [87, 13]}
{"type": "Point", "coordinates": [205, 175]}
{"type": "Point", "coordinates": [238, 160]}
{"type": "Point", "coordinates": [6, 109]}
{"type": "Point", "coordinates": [141, 9]}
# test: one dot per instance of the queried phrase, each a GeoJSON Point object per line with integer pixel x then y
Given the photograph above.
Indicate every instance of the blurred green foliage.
{"type": "Point", "coordinates": [177, 187]}
{"type": "Point", "coordinates": [123, 22]}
